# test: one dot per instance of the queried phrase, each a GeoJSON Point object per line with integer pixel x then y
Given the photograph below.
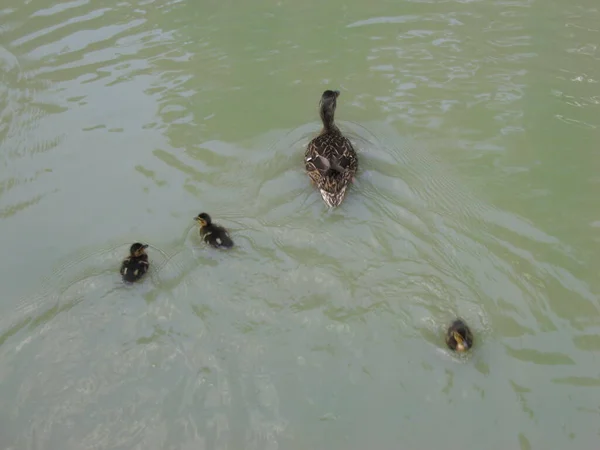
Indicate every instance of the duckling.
{"type": "Point", "coordinates": [330, 160]}
{"type": "Point", "coordinates": [459, 337]}
{"type": "Point", "coordinates": [213, 234]}
{"type": "Point", "coordinates": [135, 266]}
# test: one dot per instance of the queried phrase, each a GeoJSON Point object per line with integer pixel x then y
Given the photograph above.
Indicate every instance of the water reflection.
{"type": "Point", "coordinates": [122, 121]}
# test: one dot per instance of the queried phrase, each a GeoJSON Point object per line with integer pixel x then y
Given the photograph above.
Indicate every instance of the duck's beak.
{"type": "Point", "coordinates": [145, 246]}
{"type": "Point", "coordinates": [337, 93]}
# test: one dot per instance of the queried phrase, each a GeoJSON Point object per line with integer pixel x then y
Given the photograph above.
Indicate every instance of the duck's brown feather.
{"type": "Point", "coordinates": [331, 161]}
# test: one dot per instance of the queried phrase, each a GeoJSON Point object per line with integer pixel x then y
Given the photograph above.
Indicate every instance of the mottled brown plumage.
{"type": "Point", "coordinates": [330, 160]}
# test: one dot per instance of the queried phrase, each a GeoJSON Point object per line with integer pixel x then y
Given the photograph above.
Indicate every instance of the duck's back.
{"type": "Point", "coordinates": [460, 326]}
{"type": "Point", "coordinates": [335, 147]}
{"type": "Point", "coordinates": [216, 236]}
{"type": "Point", "coordinates": [133, 269]}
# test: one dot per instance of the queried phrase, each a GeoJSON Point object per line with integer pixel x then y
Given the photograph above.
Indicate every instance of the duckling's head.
{"type": "Point", "coordinates": [459, 338]}
{"type": "Point", "coordinates": [461, 343]}
{"type": "Point", "coordinates": [138, 249]}
{"type": "Point", "coordinates": [327, 106]}
{"type": "Point", "coordinates": [203, 219]}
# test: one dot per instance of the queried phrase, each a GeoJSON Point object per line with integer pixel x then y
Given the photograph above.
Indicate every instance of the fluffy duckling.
{"type": "Point", "coordinates": [330, 159]}
{"type": "Point", "coordinates": [459, 337]}
{"type": "Point", "coordinates": [135, 266]}
{"type": "Point", "coordinates": [213, 234]}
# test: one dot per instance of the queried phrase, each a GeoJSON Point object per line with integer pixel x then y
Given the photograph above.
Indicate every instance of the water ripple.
{"type": "Point", "coordinates": [123, 120]}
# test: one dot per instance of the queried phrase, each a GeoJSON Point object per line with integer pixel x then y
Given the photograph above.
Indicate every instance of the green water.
{"type": "Point", "coordinates": [476, 124]}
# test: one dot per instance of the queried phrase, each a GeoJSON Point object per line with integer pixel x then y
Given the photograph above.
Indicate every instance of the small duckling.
{"type": "Point", "coordinates": [213, 234]}
{"type": "Point", "coordinates": [459, 338]}
{"type": "Point", "coordinates": [136, 264]}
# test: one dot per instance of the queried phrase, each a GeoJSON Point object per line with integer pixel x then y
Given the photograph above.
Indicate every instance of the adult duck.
{"type": "Point", "coordinates": [330, 159]}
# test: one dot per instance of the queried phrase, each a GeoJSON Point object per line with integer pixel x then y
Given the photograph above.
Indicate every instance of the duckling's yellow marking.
{"type": "Point", "coordinates": [460, 342]}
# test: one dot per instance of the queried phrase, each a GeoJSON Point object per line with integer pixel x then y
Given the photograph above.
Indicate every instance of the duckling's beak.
{"type": "Point", "coordinates": [461, 343]}
{"type": "Point", "coordinates": [200, 221]}
{"type": "Point", "coordinates": [145, 246]}
{"type": "Point", "coordinates": [337, 93]}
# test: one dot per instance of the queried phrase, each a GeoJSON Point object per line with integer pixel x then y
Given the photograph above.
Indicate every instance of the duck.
{"type": "Point", "coordinates": [459, 337]}
{"type": "Point", "coordinates": [330, 159]}
{"type": "Point", "coordinates": [213, 234]}
{"type": "Point", "coordinates": [135, 266]}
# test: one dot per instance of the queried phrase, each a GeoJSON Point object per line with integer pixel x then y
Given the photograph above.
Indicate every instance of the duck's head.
{"type": "Point", "coordinates": [138, 249]}
{"type": "Point", "coordinates": [329, 98]}
{"type": "Point", "coordinates": [461, 343]}
{"type": "Point", "coordinates": [459, 338]}
{"type": "Point", "coordinates": [203, 219]}
{"type": "Point", "coordinates": [327, 106]}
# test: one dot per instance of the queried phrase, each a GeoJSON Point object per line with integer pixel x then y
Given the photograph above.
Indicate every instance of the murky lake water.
{"type": "Point", "coordinates": [476, 124]}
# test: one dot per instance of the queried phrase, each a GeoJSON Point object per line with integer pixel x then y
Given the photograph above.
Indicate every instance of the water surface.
{"type": "Point", "coordinates": [477, 130]}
